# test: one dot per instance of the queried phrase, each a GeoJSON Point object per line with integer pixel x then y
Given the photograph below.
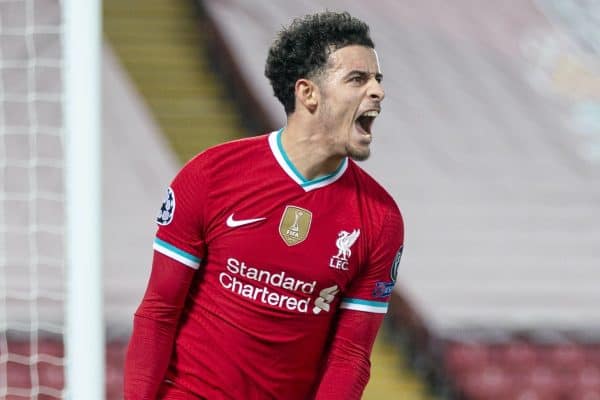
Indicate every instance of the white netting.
{"type": "Point", "coordinates": [31, 200]}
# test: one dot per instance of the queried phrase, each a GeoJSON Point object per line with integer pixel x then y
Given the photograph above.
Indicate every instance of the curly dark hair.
{"type": "Point", "coordinates": [302, 49]}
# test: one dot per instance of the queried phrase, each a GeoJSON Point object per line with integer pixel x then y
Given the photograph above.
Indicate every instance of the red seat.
{"type": "Point", "coordinates": [567, 357]}
{"type": "Point", "coordinates": [51, 347]}
{"type": "Point", "coordinates": [490, 382]}
{"type": "Point", "coordinates": [114, 381]}
{"type": "Point", "coordinates": [46, 397]}
{"type": "Point", "coordinates": [18, 375]}
{"type": "Point", "coordinates": [461, 358]}
{"type": "Point", "coordinates": [585, 394]}
{"type": "Point", "coordinates": [19, 347]}
{"type": "Point", "coordinates": [51, 375]}
{"type": "Point", "coordinates": [543, 379]}
{"type": "Point", "coordinates": [592, 355]}
{"type": "Point", "coordinates": [517, 356]}
{"type": "Point", "coordinates": [531, 393]}
{"type": "Point", "coordinates": [588, 378]}
{"type": "Point", "coordinates": [115, 361]}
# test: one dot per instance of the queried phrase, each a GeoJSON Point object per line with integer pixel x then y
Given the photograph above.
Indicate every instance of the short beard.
{"type": "Point", "coordinates": [358, 155]}
{"type": "Point", "coordinates": [326, 115]}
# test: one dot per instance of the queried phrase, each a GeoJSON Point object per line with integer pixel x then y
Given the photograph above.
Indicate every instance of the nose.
{"type": "Point", "coordinates": [376, 91]}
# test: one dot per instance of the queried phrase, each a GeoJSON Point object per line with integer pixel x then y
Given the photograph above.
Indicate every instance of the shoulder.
{"type": "Point", "coordinates": [232, 152]}
{"type": "Point", "coordinates": [373, 190]}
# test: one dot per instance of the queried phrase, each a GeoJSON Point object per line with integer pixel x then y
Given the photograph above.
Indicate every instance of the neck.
{"type": "Point", "coordinates": [308, 149]}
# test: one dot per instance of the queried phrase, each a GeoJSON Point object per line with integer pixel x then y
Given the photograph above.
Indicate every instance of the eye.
{"type": "Point", "coordinates": [357, 79]}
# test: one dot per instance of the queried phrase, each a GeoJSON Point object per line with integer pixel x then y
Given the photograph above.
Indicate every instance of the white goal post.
{"type": "Point", "coordinates": [84, 335]}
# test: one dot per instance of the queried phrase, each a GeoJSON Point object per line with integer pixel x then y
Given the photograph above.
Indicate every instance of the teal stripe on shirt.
{"type": "Point", "coordinates": [174, 249]}
{"type": "Point", "coordinates": [379, 304]}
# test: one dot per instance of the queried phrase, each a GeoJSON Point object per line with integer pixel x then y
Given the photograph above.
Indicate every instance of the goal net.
{"type": "Point", "coordinates": [33, 223]}
{"type": "Point", "coordinates": [31, 200]}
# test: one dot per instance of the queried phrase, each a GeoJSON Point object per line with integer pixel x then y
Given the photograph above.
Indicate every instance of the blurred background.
{"type": "Point", "coordinates": [489, 141]}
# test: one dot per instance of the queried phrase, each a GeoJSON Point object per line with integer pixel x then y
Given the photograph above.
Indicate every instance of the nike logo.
{"type": "Point", "coordinates": [234, 223]}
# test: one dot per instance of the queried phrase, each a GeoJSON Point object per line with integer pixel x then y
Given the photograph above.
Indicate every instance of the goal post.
{"type": "Point", "coordinates": [84, 333]}
{"type": "Point", "coordinates": [51, 320]}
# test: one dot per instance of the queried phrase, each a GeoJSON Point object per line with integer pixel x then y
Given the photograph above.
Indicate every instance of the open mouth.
{"type": "Point", "coordinates": [365, 121]}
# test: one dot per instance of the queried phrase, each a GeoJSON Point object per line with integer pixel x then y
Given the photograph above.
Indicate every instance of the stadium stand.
{"type": "Point", "coordinates": [165, 54]}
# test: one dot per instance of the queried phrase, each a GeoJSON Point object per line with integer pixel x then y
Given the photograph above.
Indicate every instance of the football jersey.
{"type": "Point", "coordinates": [277, 256]}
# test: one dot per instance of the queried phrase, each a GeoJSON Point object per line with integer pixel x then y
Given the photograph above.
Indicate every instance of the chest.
{"type": "Point", "coordinates": [318, 236]}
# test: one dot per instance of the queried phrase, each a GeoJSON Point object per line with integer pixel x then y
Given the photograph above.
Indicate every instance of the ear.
{"type": "Point", "coordinates": [307, 94]}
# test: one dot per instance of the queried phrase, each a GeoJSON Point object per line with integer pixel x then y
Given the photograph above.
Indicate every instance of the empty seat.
{"type": "Point", "coordinates": [589, 378]}
{"type": "Point", "coordinates": [585, 394]}
{"type": "Point", "coordinates": [532, 393]}
{"type": "Point", "coordinates": [50, 375]}
{"type": "Point", "coordinates": [52, 347]}
{"type": "Point", "coordinates": [488, 383]}
{"type": "Point", "coordinates": [592, 354]}
{"type": "Point", "coordinates": [461, 358]}
{"type": "Point", "coordinates": [566, 357]}
{"type": "Point", "coordinates": [18, 375]}
{"type": "Point", "coordinates": [543, 379]}
{"type": "Point", "coordinates": [518, 356]}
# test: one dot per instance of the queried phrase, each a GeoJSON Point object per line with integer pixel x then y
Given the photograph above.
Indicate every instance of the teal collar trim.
{"type": "Point", "coordinates": [285, 163]}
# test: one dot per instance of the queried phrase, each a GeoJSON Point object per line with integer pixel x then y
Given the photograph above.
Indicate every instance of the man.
{"type": "Point", "coordinates": [275, 256]}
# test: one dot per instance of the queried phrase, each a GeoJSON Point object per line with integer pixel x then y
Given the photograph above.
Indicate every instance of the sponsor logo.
{"type": "Point", "coordinates": [262, 286]}
{"type": "Point", "coordinates": [276, 289]}
{"type": "Point", "coordinates": [167, 209]}
{"type": "Point", "coordinates": [344, 241]}
{"type": "Point", "coordinates": [234, 223]}
{"type": "Point", "coordinates": [326, 296]}
{"type": "Point", "coordinates": [294, 225]}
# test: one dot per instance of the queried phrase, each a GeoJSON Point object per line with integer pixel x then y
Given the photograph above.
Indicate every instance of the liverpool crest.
{"type": "Point", "coordinates": [344, 241]}
{"type": "Point", "coordinates": [294, 225]}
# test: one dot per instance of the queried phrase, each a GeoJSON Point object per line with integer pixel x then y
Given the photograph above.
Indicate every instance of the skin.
{"type": "Point", "coordinates": [322, 130]}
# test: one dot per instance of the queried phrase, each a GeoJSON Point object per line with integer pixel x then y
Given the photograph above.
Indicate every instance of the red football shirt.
{"type": "Point", "coordinates": [276, 256]}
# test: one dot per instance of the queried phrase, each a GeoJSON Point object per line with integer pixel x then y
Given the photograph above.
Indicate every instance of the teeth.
{"type": "Point", "coordinates": [372, 113]}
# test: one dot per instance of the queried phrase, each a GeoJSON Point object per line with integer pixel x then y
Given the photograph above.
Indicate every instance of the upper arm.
{"type": "Point", "coordinates": [371, 290]}
{"type": "Point", "coordinates": [181, 219]}
{"type": "Point", "coordinates": [179, 243]}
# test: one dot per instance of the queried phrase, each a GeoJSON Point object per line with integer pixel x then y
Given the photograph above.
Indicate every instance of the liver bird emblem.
{"type": "Point", "coordinates": [344, 241]}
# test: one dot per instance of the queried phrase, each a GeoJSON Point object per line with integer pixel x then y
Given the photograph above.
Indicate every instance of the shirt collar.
{"type": "Point", "coordinates": [292, 172]}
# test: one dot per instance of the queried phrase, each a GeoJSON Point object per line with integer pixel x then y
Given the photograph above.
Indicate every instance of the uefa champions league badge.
{"type": "Point", "coordinates": [167, 210]}
{"type": "Point", "coordinates": [396, 264]}
{"type": "Point", "coordinates": [384, 289]}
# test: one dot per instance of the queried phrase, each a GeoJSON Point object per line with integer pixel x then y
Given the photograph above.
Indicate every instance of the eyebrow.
{"type": "Point", "coordinates": [364, 74]}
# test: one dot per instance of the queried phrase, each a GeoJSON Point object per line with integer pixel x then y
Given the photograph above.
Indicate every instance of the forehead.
{"type": "Point", "coordinates": [350, 58]}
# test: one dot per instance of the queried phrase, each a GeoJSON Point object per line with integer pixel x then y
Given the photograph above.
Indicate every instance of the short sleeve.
{"type": "Point", "coordinates": [180, 218]}
{"type": "Point", "coordinates": [371, 290]}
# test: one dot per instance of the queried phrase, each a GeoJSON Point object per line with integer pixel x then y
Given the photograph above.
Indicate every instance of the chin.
{"type": "Point", "coordinates": [359, 154]}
